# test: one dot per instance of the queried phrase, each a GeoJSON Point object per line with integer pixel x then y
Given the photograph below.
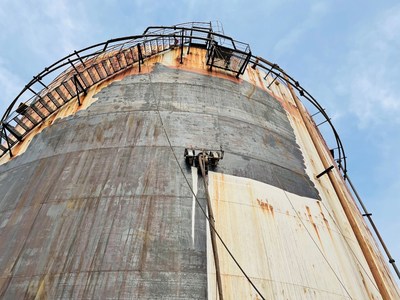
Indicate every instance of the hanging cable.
{"type": "Point", "coordinates": [369, 217]}
{"type": "Point", "coordinates": [212, 233]}
{"type": "Point", "coordinates": [195, 196]}
{"type": "Point", "coordinates": [348, 245]}
{"type": "Point", "coordinates": [309, 233]}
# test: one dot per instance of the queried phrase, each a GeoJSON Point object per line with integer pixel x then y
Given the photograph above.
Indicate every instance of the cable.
{"type": "Point", "coordinates": [319, 249]}
{"type": "Point", "coordinates": [195, 196]}
{"type": "Point", "coordinates": [348, 245]}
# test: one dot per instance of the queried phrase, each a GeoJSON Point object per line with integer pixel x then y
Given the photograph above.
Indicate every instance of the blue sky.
{"type": "Point", "coordinates": [345, 53]}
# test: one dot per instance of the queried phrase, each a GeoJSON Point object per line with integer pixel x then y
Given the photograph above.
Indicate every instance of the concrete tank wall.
{"type": "Point", "coordinates": [96, 205]}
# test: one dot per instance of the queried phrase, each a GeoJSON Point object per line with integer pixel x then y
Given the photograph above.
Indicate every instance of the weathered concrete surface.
{"type": "Point", "coordinates": [92, 224]}
{"type": "Point", "coordinates": [199, 111]}
{"type": "Point", "coordinates": [97, 205]}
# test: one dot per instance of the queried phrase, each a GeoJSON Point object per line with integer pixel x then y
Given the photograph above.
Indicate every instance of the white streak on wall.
{"type": "Point", "coordinates": [194, 185]}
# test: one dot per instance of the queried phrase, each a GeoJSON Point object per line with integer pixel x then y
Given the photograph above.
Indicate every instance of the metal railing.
{"type": "Point", "coordinates": [47, 92]}
{"type": "Point", "coordinates": [71, 76]}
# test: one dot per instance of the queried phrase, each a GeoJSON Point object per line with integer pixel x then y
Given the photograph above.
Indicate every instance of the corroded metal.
{"type": "Point", "coordinates": [104, 58]}
{"type": "Point", "coordinates": [98, 201]}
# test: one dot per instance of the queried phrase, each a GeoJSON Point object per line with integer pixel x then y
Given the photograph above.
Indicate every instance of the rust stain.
{"type": "Point", "coordinates": [370, 295]}
{"type": "Point", "coordinates": [325, 220]}
{"type": "Point", "coordinates": [41, 292]}
{"type": "Point", "coordinates": [252, 90]}
{"type": "Point", "coordinates": [259, 78]}
{"type": "Point", "coordinates": [252, 76]}
{"type": "Point", "coordinates": [218, 186]}
{"type": "Point", "coordinates": [379, 270]}
{"type": "Point", "coordinates": [72, 107]}
{"type": "Point", "coordinates": [75, 204]}
{"type": "Point", "coordinates": [313, 223]}
{"type": "Point", "coordinates": [266, 206]}
{"type": "Point", "coordinates": [194, 62]}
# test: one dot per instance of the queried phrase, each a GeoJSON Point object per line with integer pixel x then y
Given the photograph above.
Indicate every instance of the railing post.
{"type": "Point", "coordinates": [7, 140]}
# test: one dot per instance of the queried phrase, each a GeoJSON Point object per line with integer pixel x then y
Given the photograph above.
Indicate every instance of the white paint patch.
{"type": "Point", "coordinates": [194, 185]}
{"type": "Point", "coordinates": [270, 231]}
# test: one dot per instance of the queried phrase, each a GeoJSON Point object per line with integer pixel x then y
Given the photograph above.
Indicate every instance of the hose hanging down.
{"type": "Point", "coordinates": [202, 165]}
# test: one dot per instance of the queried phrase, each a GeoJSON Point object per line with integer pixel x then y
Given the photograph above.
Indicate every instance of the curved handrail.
{"type": "Point", "coordinates": [186, 32]}
{"type": "Point", "coordinates": [109, 50]}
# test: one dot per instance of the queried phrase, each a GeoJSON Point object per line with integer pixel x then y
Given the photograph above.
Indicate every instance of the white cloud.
{"type": "Point", "coordinates": [370, 74]}
{"type": "Point", "coordinates": [316, 12]}
{"type": "Point", "coordinates": [36, 34]}
{"type": "Point", "coordinates": [10, 86]}
{"type": "Point", "coordinates": [46, 26]}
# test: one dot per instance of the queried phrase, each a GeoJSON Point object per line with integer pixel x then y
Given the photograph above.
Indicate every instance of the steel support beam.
{"type": "Point", "coordinates": [212, 228]}
{"type": "Point", "coordinates": [377, 233]}
{"type": "Point", "coordinates": [8, 141]}
{"type": "Point", "coordinates": [182, 48]}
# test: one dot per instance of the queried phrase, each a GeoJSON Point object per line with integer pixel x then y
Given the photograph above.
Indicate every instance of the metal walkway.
{"type": "Point", "coordinates": [83, 70]}
{"type": "Point", "coordinates": [79, 71]}
{"type": "Point", "coordinates": [47, 92]}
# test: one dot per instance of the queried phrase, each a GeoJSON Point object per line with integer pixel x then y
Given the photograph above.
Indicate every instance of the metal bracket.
{"type": "Point", "coordinates": [324, 172]}
{"type": "Point", "coordinates": [12, 131]}
{"type": "Point", "coordinates": [38, 79]}
{"type": "Point", "coordinates": [78, 83]}
{"type": "Point", "coordinates": [7, 140]}
{"type": "Point", "coordinates": [276, 77]}
{"type": "Point", "coordinates": [77, 54]}
{"type": "Point", "coordinates": [324, 122]}
{"type": "Point", "coordinates": [182, 47]}
{"type": "Point", "coordinates": [140, 57]}
{"type": "Point", "coordinates": [210, 158]}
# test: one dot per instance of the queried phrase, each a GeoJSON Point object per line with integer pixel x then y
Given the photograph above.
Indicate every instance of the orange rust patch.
{"type": "Point", "coordinates": [266, 206]}
{"type": "Point", "coordinates": [194, 62]}
{"type": "Point", "coordinates": [218, 186]}
{"type": "Point", "coordinates": [313, 223]}
{"type": "Point", "coordinates": [250, 94]}
{"type": "Point", "coordinates": [325, 220]}
{"type": "Point", "coordinates": [72, 108]}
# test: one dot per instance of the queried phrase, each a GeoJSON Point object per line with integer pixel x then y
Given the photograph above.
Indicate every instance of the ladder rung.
{"type": "Point", "coordinates": [83, 78]}
{"type": "Point", "coordinates": [30, 118]}
{"type": "Point", "coordinates": [9, 137]}
{"type": "Point", "coordinates": [105, 67]}
{"type": "Point", "coordinates": [70, 90]}
{"type": "Point", "coordinates": [78, 85]}
{"type": "Point", "coordinates": [61, 94]}
{"type": "Point", "coordinates": [113, 65]}
{"type": "Point", "coordinates": [124, 55]}
{"type": "Point", "coordinates": [45, 105]}
{"type": "Point", "coordinates": [121, 60]}
{"type": "Point", "coordinates": [53, 99]}
{"type": "Point", "coordinates": [134, 57]}
{"type": "Point", "coordinates": [92, 75]}
{"type": "Point", "coordinates": [13, 131]}
{"type": "Point", "coordinates": [99, 71]}
{"type": "Point", "coordinates": [21, 123]}
{"type": "Point", "coordinates": [37, 111]}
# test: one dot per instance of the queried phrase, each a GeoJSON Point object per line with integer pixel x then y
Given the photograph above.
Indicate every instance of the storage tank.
{"type": "Point", "coordinates": [176, 164]}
